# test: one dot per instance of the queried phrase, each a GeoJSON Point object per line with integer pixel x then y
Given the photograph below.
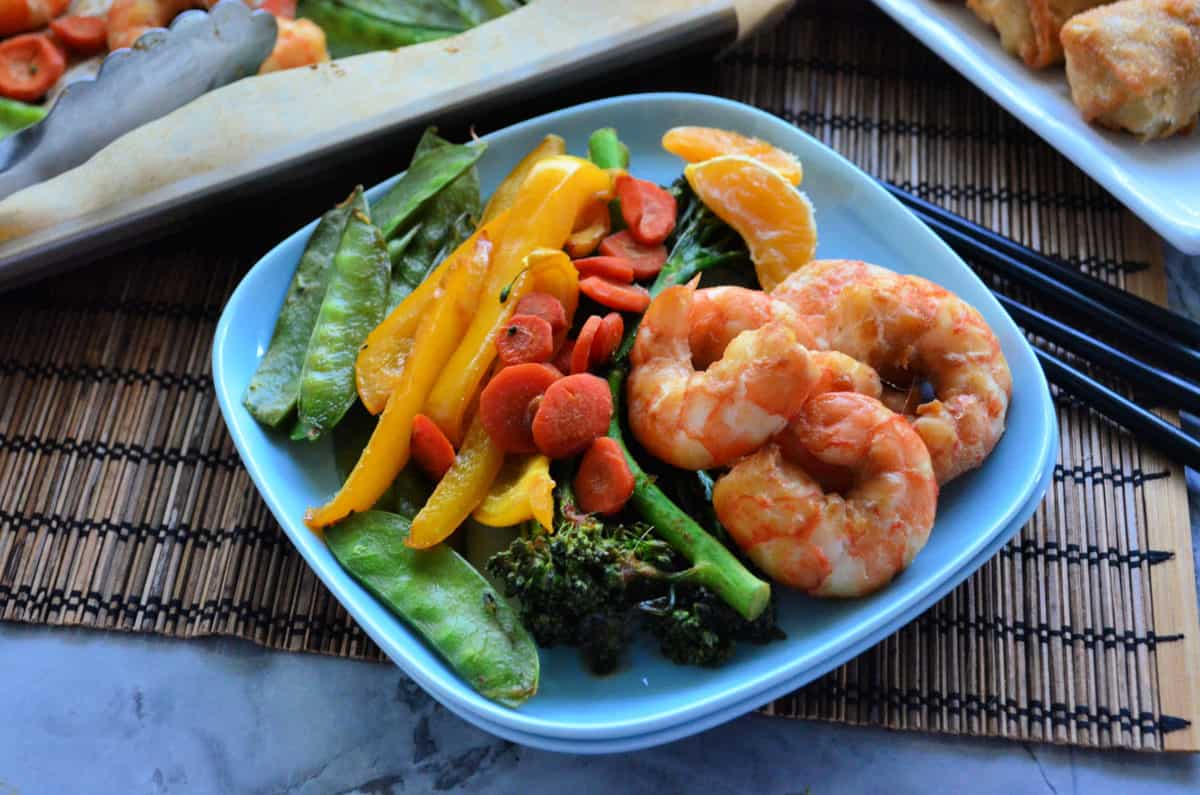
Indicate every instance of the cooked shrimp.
{"type": "Point", "coordinates": [802, 532]}
{"type": "Point", "coordinates": [700, 419]}
{"type": "Point", "coordinates": [300, 42]}
{"type": "Point", "coordinates": [19, 16]}
{"type": "Point", "coordinates": [909, 329]}
{"type": "Point", "coordinates": [129, 19]}
{"type": "Point", "coordinates": [721, 313]}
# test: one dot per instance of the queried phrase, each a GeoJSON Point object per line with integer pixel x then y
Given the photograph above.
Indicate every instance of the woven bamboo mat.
{"type": "Point", "coordinates": [124, 505]}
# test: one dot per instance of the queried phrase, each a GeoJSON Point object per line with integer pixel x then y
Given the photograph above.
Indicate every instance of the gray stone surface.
{"type": "Point", "coordinates": [84, 711]}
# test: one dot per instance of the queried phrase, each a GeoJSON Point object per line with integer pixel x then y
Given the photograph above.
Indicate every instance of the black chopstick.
{"type": "Point", "coordinates": [1133, 306]}
{"type": "Point", "coordinates": [1175, 443]}
{"type": "Point", "coordinates": [1166, 389]}
{"type": "Point", "coordinates": [1151, 341]}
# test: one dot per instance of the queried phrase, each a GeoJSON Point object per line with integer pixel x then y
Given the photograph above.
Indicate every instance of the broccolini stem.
{"type": "Point", "coordinates": [713, 566]}
{"type": "Point", "coordinates": [606, 150]}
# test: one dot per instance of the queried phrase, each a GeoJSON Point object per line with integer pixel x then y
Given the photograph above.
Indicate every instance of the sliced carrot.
{"type": "Point", "coordinates": [608, 339]}
{"type": "Point", "coordinates": [508, 402]}
{"type": "Point", "coordinates": [562, 359]}
{"type": "Point", "coordinates": [573, 411]}
{"type": "Point", "coordinates": [648, 210]}
{"type": "Point", "coordinates": [621, 297]}
{"type": "Point", "coordinates": [526, 338]}
{"type": "Point", "coordinates": [581, 354]}
{"type": "Point", "coordinates": [430, 448]}
{"type": "Point", "coordinates": [647, 261]}
{"type": "Point", "coordinates": [615, 268]}
{"type": "Point", "coordinates": [603, 483]}
{"type": "Point", "coordinates": [278, 8]}
{"type": "Point", "coordinates": [545, 306]}
{"type": "Point", "coordinates": [30, 65]}
{"type": "Point", "coordinates": [84, 35]}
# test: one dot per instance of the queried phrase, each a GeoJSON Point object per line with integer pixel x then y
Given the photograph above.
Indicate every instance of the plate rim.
{"type": "Point", "coordinates": [474, 707]}
{"type": "Point", "coordinates": [938, 33]}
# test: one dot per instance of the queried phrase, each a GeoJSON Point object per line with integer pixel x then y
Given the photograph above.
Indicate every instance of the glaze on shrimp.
{"type": "Point", "coordinates": [804, 533]}
{"type": "Point", "coordinates": [907, 329]}
{"type": "Point", "coordinates": [698, 419]}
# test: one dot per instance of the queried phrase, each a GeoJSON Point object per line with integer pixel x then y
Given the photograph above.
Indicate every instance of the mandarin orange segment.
{"type": "Point", "coordinates": [695, 144]}
{"type": "Point", "coordinates": [774, 218]}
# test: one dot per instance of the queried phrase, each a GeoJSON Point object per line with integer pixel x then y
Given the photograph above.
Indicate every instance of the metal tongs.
{"type": "Point", "coordinates": [164, 70]}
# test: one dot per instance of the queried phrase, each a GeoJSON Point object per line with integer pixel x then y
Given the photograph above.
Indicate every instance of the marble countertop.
{"type": "Point", "coordinates": [87, 711]}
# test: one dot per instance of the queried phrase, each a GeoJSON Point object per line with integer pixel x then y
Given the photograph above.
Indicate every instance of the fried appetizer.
{"type": "Point", "coordinates": [1135, 65]}
{"type": "Point", "coordinates": [1029, 28]}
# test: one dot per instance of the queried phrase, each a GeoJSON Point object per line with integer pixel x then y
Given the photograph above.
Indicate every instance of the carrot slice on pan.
{"type": "Point", "coordinates": [615, 268]}
{"type": "Point", "coordinates": [607, 340]}
{"type": "Point", "coordinates": [545, 306]}
{"type": "Point", "coordinates": [84, 35]}
{"type": "Point", "coordinates": [526, 338]}
{"type": "Point", "coordinates": [30, 65]}
{"type": "Point", "coordinates": [581, 354]}
{"type": "Point", "coordinates": [648, 210]}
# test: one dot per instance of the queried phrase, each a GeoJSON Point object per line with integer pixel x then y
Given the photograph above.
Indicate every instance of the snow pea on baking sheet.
{"type": "Point", "coordinates": [272, 393]}
{"type": "Point", "coordinates": [442, 597]}
{"type": "Point", "coordinates": [353, 305]}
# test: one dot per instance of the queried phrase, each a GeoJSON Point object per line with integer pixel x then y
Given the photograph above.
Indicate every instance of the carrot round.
{"type": "Point", "coordinates": [647, 261]}
{"type": "Point", "coordinates": [621, 297]}
{"type": "Point", "coordinates": [603, 483]}
{"type": "Point", "coordinates": [30, 65]}
{"type": "Point", "coordinates": [545, 306]}
{"type": "Point", "coordinates": [581, 354]}
{"type": "Point", "coordinates": [648, 210]}
{"type": "Point", "coordinates": [573, 411]}
{"type": "Point", "coordinates": [430, 448]}
{"type": "Point", "coordinates": [607, 340]}
{"type": "Point", "coordinates": [84, 35]}
{"type": "Point", "coordinates": [562, 358]}
{"type": "Point", "coordinates": [506, 405]}
{"type": "Point", "coordinates": [615, 268]}
{"type": "Point", "coordinates": [526, 338]}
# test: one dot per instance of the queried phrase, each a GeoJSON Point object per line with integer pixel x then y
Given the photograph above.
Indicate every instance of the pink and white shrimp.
{"type": "Point", "coordinates": [850, 515]}
{"type": "Point", "coordinates": [702, 418]}
{"type": "Point", "coordinates": [911, 330]}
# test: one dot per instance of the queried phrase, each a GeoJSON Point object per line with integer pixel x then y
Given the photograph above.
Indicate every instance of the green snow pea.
{"type": "Point", "coordinates": [351, 30]}
{"type": "Point", "coordinates": [606, 150]}
{"type": "Point", "coordinates": [353, 305]}
{"type": "Point", "coordinates": [275, 387]}
{"type": "Point", "coordinates": [445, 600]}
{"type": "Point", "coordinates": [428, 174]}
{"type": "Point", "coordinates": [16, 116]}
{"type": "Point", "coordinates": [446, 220]}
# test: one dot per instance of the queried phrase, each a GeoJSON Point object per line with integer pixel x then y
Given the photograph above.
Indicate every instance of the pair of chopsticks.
{"type": "Point", "coordinates": [1153, 332]}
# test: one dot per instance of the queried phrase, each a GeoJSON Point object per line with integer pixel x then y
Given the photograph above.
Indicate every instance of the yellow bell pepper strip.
{"type": "Point", "coordinates": [381, 358]}
{"type": "Point", "coordinates": [544, 271]}
{"type": "Point", "coordinates": [387, 450]}
{"type": "Point", "coordinates": [464, 486]}
{"type": "Point", "coordinates": [504, 195]}
{"type": "Point", "coordinates": [523, 490]}
{"type": "Point", "coordinates": [542, 216]}
{"type": "Point", "coordinates": [592, 226]}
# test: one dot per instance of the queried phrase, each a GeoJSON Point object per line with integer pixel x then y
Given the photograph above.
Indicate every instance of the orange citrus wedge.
{"type": "Point", "coordinates": [695, 144]}
{"type": "Point", "coordinates": [774, 218]}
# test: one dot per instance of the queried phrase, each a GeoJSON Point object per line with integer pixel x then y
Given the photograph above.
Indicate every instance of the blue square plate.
{"type": "Point", "coordinates": [649, 700]}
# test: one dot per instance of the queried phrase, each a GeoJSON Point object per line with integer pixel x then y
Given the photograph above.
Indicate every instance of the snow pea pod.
{"type": "Point", "coordinates": [275, 387]}
{"type": "Point", "coordinates": [351, 31]}
{"type": "Point", "coordinates": [353, 305]}
{"type": "Point", "coordinates": [445, 600]}
{"type": "Point", "coordinates": [428, 174]}
{"type": "Point", "coordinates": [448, 219]}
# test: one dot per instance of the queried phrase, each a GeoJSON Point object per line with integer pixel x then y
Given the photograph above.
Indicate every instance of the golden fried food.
{"type": "Point", "coordinates": [1029, 28]}
{"type": "Point", "coordinates": [1135, 65]}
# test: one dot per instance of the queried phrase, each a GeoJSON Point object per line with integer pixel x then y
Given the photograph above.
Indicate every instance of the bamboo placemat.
{"type": "Point", "coordinates": [124, 505]}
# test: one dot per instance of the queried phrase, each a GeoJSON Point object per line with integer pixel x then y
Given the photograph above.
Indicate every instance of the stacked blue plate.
{"type": "Point", "coordinates": [649, 700]}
